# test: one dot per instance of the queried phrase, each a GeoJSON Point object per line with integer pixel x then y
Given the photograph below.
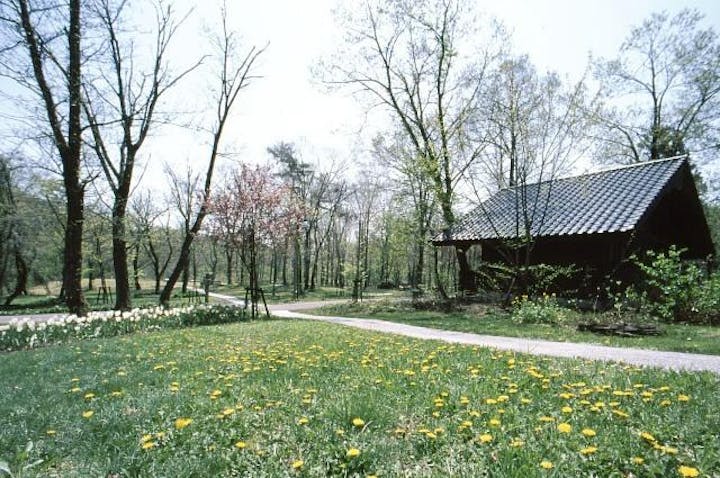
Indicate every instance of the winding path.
{"type": "Point", "coordinates": [651, 358]}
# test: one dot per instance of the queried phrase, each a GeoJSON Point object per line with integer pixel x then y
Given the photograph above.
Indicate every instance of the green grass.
{"type": "Point", "coordinates": [41, 304]}
{"type": "Point", "coordinates": [494, 321]}
{"type": "Point", "coordinates": [284, 294]}
{"type": "Point", "coordinates": [263, 396]}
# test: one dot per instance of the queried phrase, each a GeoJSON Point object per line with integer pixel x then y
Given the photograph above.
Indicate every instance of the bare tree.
{"type": "Point", "coordinates": [535, 129]}
{"type": "Point", "coordinates": [662, 91]}
{"type": "Point", "coordinates": [185, 196]}
{"type": "Point", "coordinates": [410, 57]}
{"type": "Point", "coordinates": [43, 54]}
{"type": "Point", "coordinates": [232, 78]}
{"type": "Point", "coordinates": [396, 154]}
{"type": "Point", "coordinates": [414, 59]}
{"type": "Point", "coordinates": [120, 105]}
{"type": "Point", "coordinates": [152, 233]}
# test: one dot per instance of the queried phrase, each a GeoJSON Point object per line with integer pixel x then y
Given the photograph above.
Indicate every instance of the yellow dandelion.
{"type": "Point", "coordinates": [517, 443]}
{"type": "Point", "coordinates": [358, 422]}
{"type": "Point", "coordinates": [89, 396]}
{"type": "Point", "coordinates": [620, 413]}
{"type": "Point", "coordinates": [638, 460]}
{"type": "Point", "coordinates": [668, 450]}
{"type": "Point", "coordinates": [147, 437]}
{"type": "Point", "coordinates": [566, 409]}
{"type": "Point", "coordinates": [431, 435]}
{"type": "Point", "coordinates": [303, 421]}
{"type": "Point", "coordinates": [588, 450]}
{"type": "Point", "coordinates": [485, 438]}
{"type": "Point", "coordinates": [297, 464]}
{"type": "Point", "coordinates": [688, 471]}
{"type": "Point", "coordinates": [88, 413]}
{"type": "Point", "coordinates": [148, 445]}
{"type": "Point", "coordinates": [181, 423]}
{"type": "Point", "coordinates": [647, 437]}
{"type": "Point", "coordinates": [50, 432]}
{"type": "Point", "coordinates": [240, 445]}
{"type": "Point", "coordinates": [547, 419]}
{"type": "Point", "coordinates": [683, 398]}
{"type": "Point", "coordinates": [588, 432]}
{"type": "Point", "coordinates": [547, 465]}
{"type": "Point", "coordinates": [494, 422]}
{"type": "Point", "coordinates": [564, 427]}
{"type": "Point", "coordinates": [352, 453]}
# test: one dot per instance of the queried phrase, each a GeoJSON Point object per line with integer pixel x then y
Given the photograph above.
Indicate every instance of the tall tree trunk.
{"type": "Point", "coordinates": [136, 266]}
{"type": "Point", "coordinates": [120, 256]}
{"type": "Point", "coordinates": [306, 259]}
{"type": "Point", "coordinates": [21, 279]}
{"type": "Point", "coordinates": [186, 272]}
{"type": "Point", "coordinates": [285, 263]}
{"type": "Point", "coordinates": [157, 273]}
{"type": "Point", "coordinates": [72, 281]}
{"type": "Point", "coordinates": [91, 274]}
{"type": "Point", "coordinates": [419, 264]}
{"type": "Point", "coordinates": [229, 253]}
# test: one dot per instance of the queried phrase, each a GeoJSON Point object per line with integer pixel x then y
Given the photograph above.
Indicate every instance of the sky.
{"type": "Point", "coordinates": [287, 103]}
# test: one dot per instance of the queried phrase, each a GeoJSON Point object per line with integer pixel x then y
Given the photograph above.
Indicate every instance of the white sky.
{"type": "Point", "coordinates": [285, 105]}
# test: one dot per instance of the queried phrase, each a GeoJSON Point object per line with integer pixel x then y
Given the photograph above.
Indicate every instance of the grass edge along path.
{"type": "Point", "coordinates": [676, 337]}
{"type": "Point", "coordinates": [642, 357]}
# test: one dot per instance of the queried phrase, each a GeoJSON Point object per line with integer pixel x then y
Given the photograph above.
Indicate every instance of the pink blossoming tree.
{"type": "Point", "coordinates": [253, 210]}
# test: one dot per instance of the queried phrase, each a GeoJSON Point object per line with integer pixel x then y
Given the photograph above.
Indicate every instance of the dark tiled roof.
{"type": "Point", "coordinates": [602, 202]}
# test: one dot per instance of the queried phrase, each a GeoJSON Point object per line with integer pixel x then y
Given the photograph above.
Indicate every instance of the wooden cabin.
{"type": "Point", "coordinates": [595, 221]}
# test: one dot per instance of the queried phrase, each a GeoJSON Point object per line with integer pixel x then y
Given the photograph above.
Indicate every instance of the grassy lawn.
{"type": "Point", "coordinates": [294, 398]}
{"type": "Point", "coordinates": [40, 303]}
{"type": "Point", "coordinates": [494, 321]}
{"type": "Point", "coordinates": [284, 294]}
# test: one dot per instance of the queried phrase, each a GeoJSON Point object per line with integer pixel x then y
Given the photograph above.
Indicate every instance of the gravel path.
{"type": "Point", "coordinates": [651, 358]}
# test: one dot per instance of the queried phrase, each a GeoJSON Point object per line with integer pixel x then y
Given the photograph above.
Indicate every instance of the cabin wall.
{"type": "Point", "coordinates": [677, 219]}
{"type": "Point", "coordinates": [597, 256]}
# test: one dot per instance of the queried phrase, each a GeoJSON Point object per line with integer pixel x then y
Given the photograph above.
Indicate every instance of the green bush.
{"type": "Point", "coordinates": [676, 290]}
{"type": "Point", "coordinates": [543, 310]}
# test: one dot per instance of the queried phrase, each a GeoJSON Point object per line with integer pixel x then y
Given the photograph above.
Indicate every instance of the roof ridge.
{"type": "Point", "coordinates": [603, 171]}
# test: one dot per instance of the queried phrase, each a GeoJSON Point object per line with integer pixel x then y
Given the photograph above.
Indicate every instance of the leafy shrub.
{"type": "Point", "coordinates": [547, 278]}
{"type": "Point", "coordinates": [543, 310]}
{"type": "Point", "coordinates": [676, 290]}
{"type": "Point", "coordinates": [534, 279]}
{"type": "Point", "coordinates": [28, 334]}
